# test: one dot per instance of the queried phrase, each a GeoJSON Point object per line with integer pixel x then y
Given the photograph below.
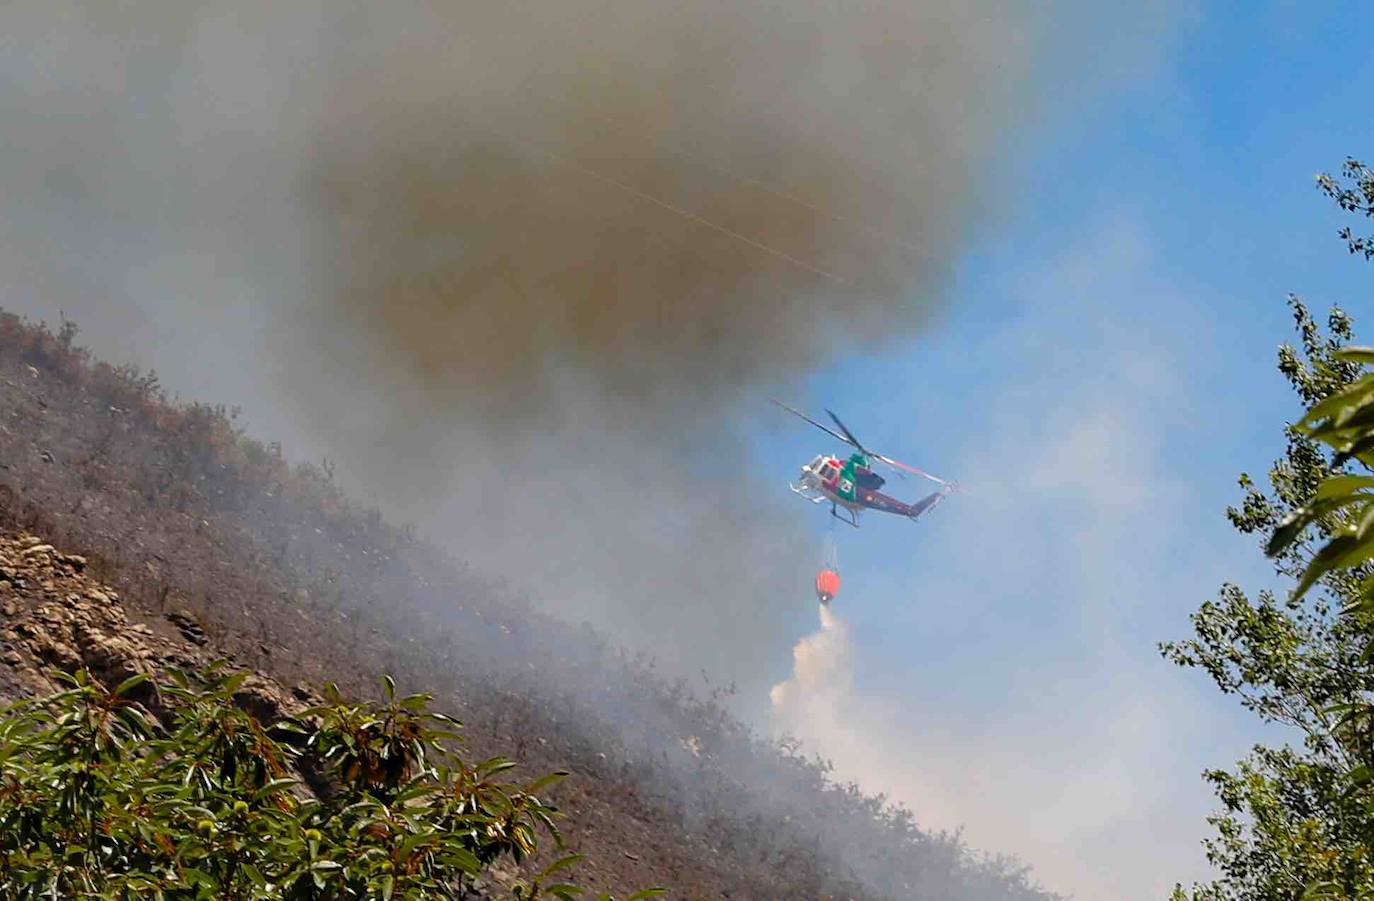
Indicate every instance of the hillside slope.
{"type": "Point", "coordinates": [188, 519]}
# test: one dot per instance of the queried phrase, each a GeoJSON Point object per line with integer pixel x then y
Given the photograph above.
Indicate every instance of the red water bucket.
{"type": "Point", "coordinates": [827, 585]}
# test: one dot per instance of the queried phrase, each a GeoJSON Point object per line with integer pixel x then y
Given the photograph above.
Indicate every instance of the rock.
{"type": "Point", "coordinates": [55, 616]}
{"type": "Point", "coordinates": [104, 646]}
{"type": "Point", "coordinates": [57, 653]}
{"type": "Point", "coordinates": [187, 625]}
{"type": "Point", "coordinates": [263, 700]}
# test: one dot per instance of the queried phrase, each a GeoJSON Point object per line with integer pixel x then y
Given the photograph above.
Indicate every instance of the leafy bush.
{"type": "Point", "coordinates": [98, 799]}
{"type": "Point", "coordinates": [1297, 820]}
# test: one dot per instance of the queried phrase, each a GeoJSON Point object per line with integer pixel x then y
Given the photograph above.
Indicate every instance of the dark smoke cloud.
{"type": "Point", "coordinates": [596, 229]}
{"type": "Point", "coordinates": [672, 200]}
{"type": "Point", "coordinates": [517, 267]}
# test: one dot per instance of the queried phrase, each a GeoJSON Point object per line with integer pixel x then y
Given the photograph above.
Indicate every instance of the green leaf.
{"type": "Point", "coordinates": [1288, 531]}
{"type": "Point", "coordinates": [273, 787]}
{"type": "Point", "coordinates": [1291, 526]}
{"type": "Point", "coordinates": [130, 683]}
{"type": "Point", "coordinates": [194, 877]}
{"type": "Point", "coordinates": [414, 703]}
{"type": "Point", "coordinates": [495, 765]}
{"type": "Point", "coordinates": [464, 859]}
{"type": "Point", "coordinates": [1336, 486]}
{"type": "Point", "coordinates": [412, 842]}
{"type": "Point", "coordinates": [561, 864]}
{"type": "Point", "coordinates": [1333, 406]}
{"type": "Point", "coordinates": [1361, 449]}
{"type": "Point", "coordinates": [1355, 354]}
{"type": "Point", "coordinates": [545, 781]}
{"type": "Point", "coordinates": [1341, 551]}
{"type": "Point", "coordinates": [254, 875]}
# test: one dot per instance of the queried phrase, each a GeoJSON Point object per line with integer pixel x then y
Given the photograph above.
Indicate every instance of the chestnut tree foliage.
{"type": "Point", "coordinates": [100, 799]}
{"type": "Point", "coordinates": [1297, 820]}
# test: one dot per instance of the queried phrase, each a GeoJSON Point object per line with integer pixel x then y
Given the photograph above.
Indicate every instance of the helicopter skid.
{"type": "Point", "coordinates": [809, 494]}
{"type": "Point", "coordinates": [816, 496]}
{"type": "Point", "coordinates": [850, 520]}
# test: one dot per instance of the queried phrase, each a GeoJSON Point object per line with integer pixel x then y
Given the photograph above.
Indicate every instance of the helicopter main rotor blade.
{"type": "Point", "coordinates": [829, 431]}
{"type": "Point", "coordinates": [850, 435]}
{"type": "Point", "coordinates": [876, 456]}
{"type": "Point", "coordinates": [848, 438]}
{"type": "Point", "coordinates": [895, 464]}
{"type": "Point", "coordinates": [898, 464]}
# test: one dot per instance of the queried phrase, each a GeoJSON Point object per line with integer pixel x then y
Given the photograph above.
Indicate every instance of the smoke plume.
{"type": "Point", "coordinates": [564, 252]}
{"type": "Point", "coordinates": [670, 201]}
{"type": "Point", "coordinates": [517, 268]}
{"type": "Point", "coordinates": [821, 679]}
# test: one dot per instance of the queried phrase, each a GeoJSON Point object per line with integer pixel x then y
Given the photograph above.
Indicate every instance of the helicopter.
{"type": "Point", "coordinates": [851, 484]}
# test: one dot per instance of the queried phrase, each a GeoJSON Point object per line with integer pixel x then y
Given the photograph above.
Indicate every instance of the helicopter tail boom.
{"type": "Point", "coordinates": [929, 502]}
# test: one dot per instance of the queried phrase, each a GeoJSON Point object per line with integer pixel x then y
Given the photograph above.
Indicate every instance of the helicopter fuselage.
{"type": "Point", "coordinates": [849, 484]}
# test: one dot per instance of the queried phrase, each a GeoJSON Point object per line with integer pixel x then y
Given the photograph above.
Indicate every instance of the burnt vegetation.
{"type": "Point", "coordinates": [207, 532]}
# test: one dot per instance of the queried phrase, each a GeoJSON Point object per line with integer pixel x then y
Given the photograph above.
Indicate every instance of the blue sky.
{"type": "Point", "coordinates": [1105, 370]}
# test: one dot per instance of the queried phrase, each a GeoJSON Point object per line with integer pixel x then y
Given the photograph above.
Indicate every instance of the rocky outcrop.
{"type": "Point", "coordinates": [54, 617]}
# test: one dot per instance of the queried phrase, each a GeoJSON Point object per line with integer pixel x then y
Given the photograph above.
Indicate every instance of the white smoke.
{"type": "Point", "coordinates": [822, 678]}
